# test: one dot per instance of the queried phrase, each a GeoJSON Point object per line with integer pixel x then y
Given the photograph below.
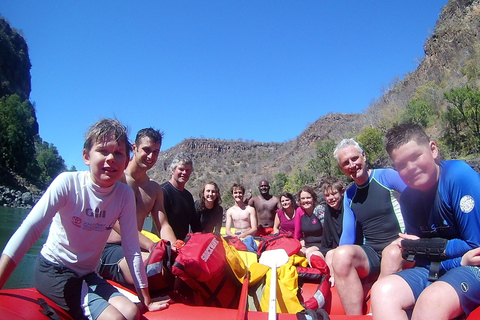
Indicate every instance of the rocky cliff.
{"type": "Point", "coordinates": [453, 48]}
{"type": "Point", "coordinates": [14, 63]}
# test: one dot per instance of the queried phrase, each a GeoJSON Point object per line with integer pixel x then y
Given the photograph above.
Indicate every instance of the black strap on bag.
{"type": "Point", "coordinates": [307, 314]}
{"type": "Point", "coordinates": [48, 310]}
{"type": "Point", "coordinates": [426, 249]}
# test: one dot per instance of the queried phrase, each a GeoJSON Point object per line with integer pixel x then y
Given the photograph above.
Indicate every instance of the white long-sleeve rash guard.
{"type": "Point", "coordinates": [83, 215]}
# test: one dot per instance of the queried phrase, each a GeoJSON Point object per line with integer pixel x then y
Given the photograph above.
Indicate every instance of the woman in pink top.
{"type": "Point", "coordinates": [287, 219]}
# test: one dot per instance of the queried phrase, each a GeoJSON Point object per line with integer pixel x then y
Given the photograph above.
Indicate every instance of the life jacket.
{"type": "Point", "coordinates": [237, 243]}
{"type": "Point", "coordinates": [318, 273]}
{"type": "Point", "coordinates": [284, 241]}
{"type": "Point", "coordinates": [287, 287]}
{"type": "Point", "coordinates": [291, 277]}
{"type": "Point", "coordinates": [235, 259]}
{"type": "Point", "coordinates": [202, 265]}
{"type": "Point", "coordinates": [158, 267]}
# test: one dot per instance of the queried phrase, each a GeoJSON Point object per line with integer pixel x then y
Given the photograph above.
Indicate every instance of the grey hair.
{"type": "Point", "coordinates": [181, 158]}
{"type": "Point", "coordinates": [346, 143]}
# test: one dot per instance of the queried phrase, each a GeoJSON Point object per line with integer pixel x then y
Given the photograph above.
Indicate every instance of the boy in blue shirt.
{"type": "Point", "coordinates": [439, 202]}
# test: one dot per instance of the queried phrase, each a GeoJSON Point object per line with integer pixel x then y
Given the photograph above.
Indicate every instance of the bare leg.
{"type": "Point", "coordinates": [438, 301]}
{"type": "Point", "coordinates": [328, 260]}
{"type": "Point", "coordinates": [350, 264]}
{"type": "Point", "coordinates": [124, 268]}
{"type": "Point", "coordinates": [120, 308]}
{"type": "Point", "coordinates": [391, 260]}
{"type": "Point", "coordinates": [390, 297]}
{"type": "Point", "coordinates": [313, 250]}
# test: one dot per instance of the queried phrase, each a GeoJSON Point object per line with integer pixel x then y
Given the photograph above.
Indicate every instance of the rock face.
{"type": "Point", "coordinates": [14, 63]}
{"type": "Point", "coordinates": [14, 198]}
{"type": "Point", "coordinates": [227, 162]}
{"type": "Point", "coordinates": [454, 44]}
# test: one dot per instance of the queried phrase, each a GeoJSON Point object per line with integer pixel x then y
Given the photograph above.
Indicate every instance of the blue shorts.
{"type": "Point", "coordinates": [82, 297]}
{"type": "Point", "coordinates": [416, 278]}
{"type": "Point", "coordinates": [108, 267]}
{"type": "Point", "coordinates": [465, 281]}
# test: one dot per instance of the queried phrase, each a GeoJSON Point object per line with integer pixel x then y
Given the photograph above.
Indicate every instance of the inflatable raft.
{"type": "Point", "coordinates": [28, 304]}
{"type": "Point", "coordinates": [24, 304]}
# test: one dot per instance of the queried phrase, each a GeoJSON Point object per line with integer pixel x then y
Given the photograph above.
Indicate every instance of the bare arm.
{"type": "Point", "coordinates": [144, 296]}
{"type": "Point", "coordinates": [279, 204]}
{"type": "Point", "coordinates": [7, 265]}
{"type": "Point", "coordinates": [160, 219]}
{"type": "Point", "coordinates": [115, 236]}
{"type": "Point", "coordinates": [228, 223]}
{"type": "Point", "coordinates": [276, 224]}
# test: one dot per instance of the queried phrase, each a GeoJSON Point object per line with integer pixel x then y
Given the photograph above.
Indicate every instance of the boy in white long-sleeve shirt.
{"type": "Point", "coordinates": [82, 208]}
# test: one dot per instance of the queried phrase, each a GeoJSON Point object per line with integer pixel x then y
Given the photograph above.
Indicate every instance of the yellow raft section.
{"type": "Point", "coordinates": [155, 238]}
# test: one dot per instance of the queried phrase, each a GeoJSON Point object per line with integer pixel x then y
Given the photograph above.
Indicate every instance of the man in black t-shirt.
{"type": "Point", "coordinates": [178, 201]}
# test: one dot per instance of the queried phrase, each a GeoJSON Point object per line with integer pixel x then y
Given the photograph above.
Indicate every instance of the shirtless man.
{"type": "Point", "coordinates": [149, 199]}
{"type": "Point", "coordinates": [266, 206]}
{"type": "Point", "coordinates": [243, 216]}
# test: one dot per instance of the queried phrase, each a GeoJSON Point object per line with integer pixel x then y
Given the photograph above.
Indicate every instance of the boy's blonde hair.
{"type": "Point", "coordinates": [237, 186]}
{"type": "Point", "coordinates": [332, 183]}
{"type": "Point", "coordinates": [104, 129]}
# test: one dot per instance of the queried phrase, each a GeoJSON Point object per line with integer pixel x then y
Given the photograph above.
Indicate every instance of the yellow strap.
{"type": "Point", "coordinates": [151, 236]}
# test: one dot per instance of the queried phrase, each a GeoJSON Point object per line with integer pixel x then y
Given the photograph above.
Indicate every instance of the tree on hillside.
{"type": "Point", "coordinates": [298, 180]}
{"type": "Point", "coordinates": [18, 130]}
{"type": "Point", "coordinates": [371, 140]}
{"type": "Point", "coordinates": [463, 114]}
{"type": "Point", "coordinates": [324, 163]}
{"type": "Point", "coordinates": [279, 182]}
{"type": "Point", "coordinates": [418, 111]}
{"type": "Point", "coordinates": [227, 199]}
{"type": "Point", "coordinates": [49, 162]}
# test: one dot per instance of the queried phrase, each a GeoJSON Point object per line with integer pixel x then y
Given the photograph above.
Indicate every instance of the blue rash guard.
{"type": "Point", "coordinates": [447, 211]}
{"type": "Point", "coordinates": [374, 208]}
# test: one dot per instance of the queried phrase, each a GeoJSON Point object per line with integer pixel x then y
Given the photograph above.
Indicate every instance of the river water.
{"type": "Point", "coordinates": [10, 220]}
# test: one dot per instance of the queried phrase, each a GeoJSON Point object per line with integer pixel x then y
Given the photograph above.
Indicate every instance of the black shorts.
{"type": "Point", "coordinates": [108, 267]}
{"type": "Point", "coordinates": [374, 259]}
{"type": "Point", "coordinates": [82, 297]}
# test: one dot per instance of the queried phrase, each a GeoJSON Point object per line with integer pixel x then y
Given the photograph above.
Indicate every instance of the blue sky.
{"type": "Point", "coordinates": [251, 70]}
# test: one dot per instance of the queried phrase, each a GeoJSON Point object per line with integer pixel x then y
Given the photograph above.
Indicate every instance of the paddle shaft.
{"type": "Point", "coordinates": [273, 259]}
{"type": "Point", "coordinates": [242, 303]}
{"type": "Point", "coordinates": [272, 306]}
